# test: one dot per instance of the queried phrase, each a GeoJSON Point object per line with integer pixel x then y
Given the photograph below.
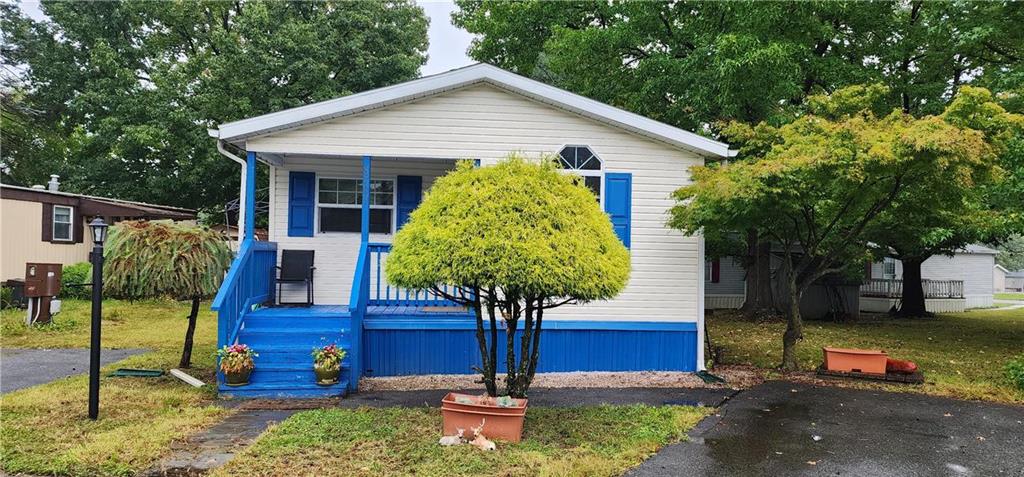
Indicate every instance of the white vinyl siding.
{"type": "Point", "coordinates": [974, 269]}
{"type": "Point", "coordinates": [487, 123]}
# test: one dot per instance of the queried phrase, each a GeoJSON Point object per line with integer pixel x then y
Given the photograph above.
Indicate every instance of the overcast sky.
{"type": "Point", "coordinates": [448, 44]}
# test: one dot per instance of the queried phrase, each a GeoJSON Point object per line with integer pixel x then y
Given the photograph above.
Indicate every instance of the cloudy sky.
{"type": "Point", "coordinates": [447, 43]}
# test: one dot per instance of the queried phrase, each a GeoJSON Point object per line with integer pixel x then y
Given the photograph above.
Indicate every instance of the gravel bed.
{"type": "Point", "coordinates": [735, 376]}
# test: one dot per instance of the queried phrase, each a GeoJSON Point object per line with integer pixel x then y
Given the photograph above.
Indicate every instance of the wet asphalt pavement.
{"type": "Point", "coordinates": [783, 428]}
{"type": "Point", "coordinates": [21, 367]}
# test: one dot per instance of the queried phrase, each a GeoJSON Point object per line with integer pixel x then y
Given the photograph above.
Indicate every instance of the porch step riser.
{"type": "Point", "coordinates": [291, 392]}
{"type": "Point", "coordinates": [298, 321]}
{"type": "Point", "coordinates": [287, 377]}
{"type": "Point", "coordinates": [291, 341]}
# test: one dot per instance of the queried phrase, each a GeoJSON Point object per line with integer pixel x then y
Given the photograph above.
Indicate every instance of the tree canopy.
{"type": "Point", "coordinates": [124, 91]}
{"type": "Point", "coordinates": [514, 239]}
{"type": "Point", "coordinates": [158, 259]}
{"type": "Point", "coordinates": [692, 64]}
{"type": "Point", "coordinates": [821, 182]}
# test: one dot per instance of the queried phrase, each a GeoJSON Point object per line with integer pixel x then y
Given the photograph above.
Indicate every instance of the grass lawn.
{"type": "Point", "coordinates": [44, 429]}
{"type": "Point", "coordinates": [591, 441]}
{"type": "Point", "coordinates": [961, 354]}
{"type": "Point", "coordinates": [1009, 296]}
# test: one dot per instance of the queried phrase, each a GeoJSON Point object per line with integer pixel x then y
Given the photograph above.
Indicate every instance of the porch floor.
{"type": "Point", "coordinates": [326, 311]}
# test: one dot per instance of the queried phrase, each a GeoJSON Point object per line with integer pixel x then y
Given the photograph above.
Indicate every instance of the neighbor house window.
{"type": "Point", "coordinates": [62, 219]}
{"type": "Point", "coordinates": [708, 271]}
{"type": "Point", "coordinates": [889, 268]}
{"type": "Point", "coordinates": [583, 162]}
{"type": "Point", "coordinates": [340, 204]}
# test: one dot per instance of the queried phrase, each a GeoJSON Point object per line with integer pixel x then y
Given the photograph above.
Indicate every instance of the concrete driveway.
{"type": "Point", "coordinates": [782, 428]}
{"type": "Point", "coordinates": [21, 368]}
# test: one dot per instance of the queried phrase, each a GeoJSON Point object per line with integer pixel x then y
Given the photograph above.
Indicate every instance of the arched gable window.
{"type": "Point", "coordinates": [582, 161]}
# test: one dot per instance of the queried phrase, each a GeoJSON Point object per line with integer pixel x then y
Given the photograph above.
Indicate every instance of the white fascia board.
{"type": "Point", "coordinates": [431, 85]}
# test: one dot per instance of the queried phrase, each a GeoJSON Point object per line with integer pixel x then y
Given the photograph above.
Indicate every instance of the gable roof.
{"type": "Point", "coordinates": [236, 132]}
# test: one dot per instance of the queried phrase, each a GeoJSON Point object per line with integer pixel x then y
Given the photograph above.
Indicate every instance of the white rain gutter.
{"type": "Point", "coordinates": [241, 191]}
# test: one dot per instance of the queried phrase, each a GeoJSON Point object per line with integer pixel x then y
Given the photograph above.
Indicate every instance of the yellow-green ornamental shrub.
{"type": "Point", "coordinates": [515, 239]}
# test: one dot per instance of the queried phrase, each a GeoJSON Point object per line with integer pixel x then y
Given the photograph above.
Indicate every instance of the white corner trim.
{"type": "Point", "coordinates": [238, 131]}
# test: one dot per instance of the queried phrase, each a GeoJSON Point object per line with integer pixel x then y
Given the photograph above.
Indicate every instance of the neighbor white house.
{"type": "Point", "coordinates": [955, 282]}
{"type": "Point", "coordinates": [398, 140]}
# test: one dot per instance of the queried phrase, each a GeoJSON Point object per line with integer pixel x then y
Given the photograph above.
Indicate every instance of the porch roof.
{"type": "Point", "coordinates": [238, 131]}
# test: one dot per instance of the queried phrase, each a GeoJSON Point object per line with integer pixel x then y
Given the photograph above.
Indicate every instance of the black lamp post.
{"type": "Point", "coordinates": [99, 235]}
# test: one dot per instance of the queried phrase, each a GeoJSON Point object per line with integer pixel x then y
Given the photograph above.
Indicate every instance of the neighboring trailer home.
{"type": "Point", "coordinates": [951, 283]}
{"type": "Point", "coordinates": [46, 225]}
{"type": "Point", "coordinates": [1015, 281]}
{"type": "Point", "coordinates": [999, 278]}
{"type": "Point", "coordinates": [830, 297]}
{"type": "Point", "coordinates": [401, 138]}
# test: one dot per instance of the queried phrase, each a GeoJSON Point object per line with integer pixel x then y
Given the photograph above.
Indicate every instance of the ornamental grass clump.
{"type": "Point", "coordinates": [158, 259]}
{"type": "Point", "coordinates": [512, 240]}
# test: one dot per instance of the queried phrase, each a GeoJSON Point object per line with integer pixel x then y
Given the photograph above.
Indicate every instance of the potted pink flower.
{"type": "Point", "coordinates": [236, 362]}
{"type": "Point", "coordinates": [327, 364]}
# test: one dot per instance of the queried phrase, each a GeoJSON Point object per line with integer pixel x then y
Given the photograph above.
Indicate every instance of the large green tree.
{"type": "Point", "coordinates": [136, 84]}
{"type": "Point", "coordinates": [698, 65]}
{"type": "Point", "coordinates": [822, 182]}
{"type": "Point", "coordinates": [942, 216]}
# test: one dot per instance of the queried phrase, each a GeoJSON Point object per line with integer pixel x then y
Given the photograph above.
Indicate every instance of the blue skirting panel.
{"type": "Point", "coordinates": [402, 345]}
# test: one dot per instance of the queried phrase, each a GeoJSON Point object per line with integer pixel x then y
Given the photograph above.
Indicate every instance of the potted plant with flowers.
{"type": "Point", "coordinates": [236, 362]}
{"type": "Point", "coordinates": [327, 364]}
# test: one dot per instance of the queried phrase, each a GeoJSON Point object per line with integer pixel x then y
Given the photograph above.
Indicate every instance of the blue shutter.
{"type": "Point", "coordinates": [410, 192]}
{"type": "Point", "coordinates": [301, 203]}
{"type": "Point", "coordinates": [618, 199]}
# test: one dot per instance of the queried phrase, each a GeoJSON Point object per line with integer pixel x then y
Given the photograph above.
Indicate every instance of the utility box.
{"type": "Point", "coordinates": [42, 279]}
{"type": "Point", "coordinates": [42, 284]}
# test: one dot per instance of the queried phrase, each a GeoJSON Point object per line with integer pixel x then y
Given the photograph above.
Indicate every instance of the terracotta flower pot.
{"type": "Point", "coordinates": [855, 360]}
{"type": "Point", "coordinates": [240, 378]}
{"type": "Point", "coordinates": [327, 377]}
{"type": "Point", "coordinates": [504, 423]}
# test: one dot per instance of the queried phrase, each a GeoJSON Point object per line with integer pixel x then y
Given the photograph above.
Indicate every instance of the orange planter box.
{"type": "Point", "coordinates": [499, 422]}
{"type": "Point", "coordinates": [855, 360]}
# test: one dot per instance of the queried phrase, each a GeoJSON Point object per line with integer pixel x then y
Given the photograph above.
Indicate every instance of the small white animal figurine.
{"type": "Point", "coordinates": [455, 440]}
{"type": "Point", "coordinates": [479, 440]}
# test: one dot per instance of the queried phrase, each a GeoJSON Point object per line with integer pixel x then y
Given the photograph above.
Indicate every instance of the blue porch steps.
{"type": "Point", "coordinates": [284, 339]}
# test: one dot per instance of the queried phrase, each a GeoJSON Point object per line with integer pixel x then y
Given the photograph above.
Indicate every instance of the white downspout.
{"type": "Point", "coordinates": [241, 190]}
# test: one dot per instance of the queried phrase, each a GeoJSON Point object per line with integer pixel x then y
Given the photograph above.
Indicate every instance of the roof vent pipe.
{"type": "Point", "coordinates": [54, 184]}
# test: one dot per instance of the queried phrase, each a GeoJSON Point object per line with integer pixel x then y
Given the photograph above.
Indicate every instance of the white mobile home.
{"type": "Point", "coordinates": [399, 140]}
{"type": "Point", "coordinates": [958, 282]}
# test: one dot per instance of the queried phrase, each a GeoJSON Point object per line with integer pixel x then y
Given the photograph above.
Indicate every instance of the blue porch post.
{"type": "Point", "coordinates": [366, 200]}
{"type": "Point", "coordinates": [250, 197]}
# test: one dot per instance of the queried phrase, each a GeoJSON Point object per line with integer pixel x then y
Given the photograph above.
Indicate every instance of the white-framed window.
{"type": "Point", "coordinates": [582, 161]}
{"type": "Point", "coordinates": [63, 218]}
{"type": "Point", "coordinates": [889, 268]}
{"type": "Point", "coordinates": [340, 203]}
{"type": "Point", "coordinates": [708, 267]}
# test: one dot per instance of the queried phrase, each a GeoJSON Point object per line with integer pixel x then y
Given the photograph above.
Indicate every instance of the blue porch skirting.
{"type": "Point", "coordinates": [398, 346]}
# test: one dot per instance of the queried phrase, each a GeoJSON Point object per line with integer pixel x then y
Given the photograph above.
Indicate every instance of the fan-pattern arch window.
{"type": "Point", "coordinates": [582, 161]}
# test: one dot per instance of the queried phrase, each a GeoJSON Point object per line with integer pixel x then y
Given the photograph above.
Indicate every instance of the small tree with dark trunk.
{"type": "Point", "coordinates": [510, 241]}
{"type": "Point", "coordinates": [164, 259]}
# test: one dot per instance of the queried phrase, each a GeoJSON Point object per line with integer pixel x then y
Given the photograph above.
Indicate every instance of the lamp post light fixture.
{"type": "Point", "coordinates": [99, 235]}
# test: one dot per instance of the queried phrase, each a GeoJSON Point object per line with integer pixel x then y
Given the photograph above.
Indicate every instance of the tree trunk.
{"type": "Point", "coordinates": [487, 370]}
{"type": "Point", "coordinates": [186, 352]}
{"type": "Point", "coordinates": [794, 324]}
{"type": "Point", "coordinates": [912, 303]}
{"type": "Point", "coordinates": [760, 300]}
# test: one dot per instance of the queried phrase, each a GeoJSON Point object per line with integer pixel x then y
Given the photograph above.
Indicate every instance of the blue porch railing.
{"type": "Point", "coordinates": [382, 293]}
{"type": "Point", "coordinates": [249, 282]}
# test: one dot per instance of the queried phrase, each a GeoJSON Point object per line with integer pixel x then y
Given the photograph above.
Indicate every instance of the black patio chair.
{"type": "Point", "coordinates": [296, 267]}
